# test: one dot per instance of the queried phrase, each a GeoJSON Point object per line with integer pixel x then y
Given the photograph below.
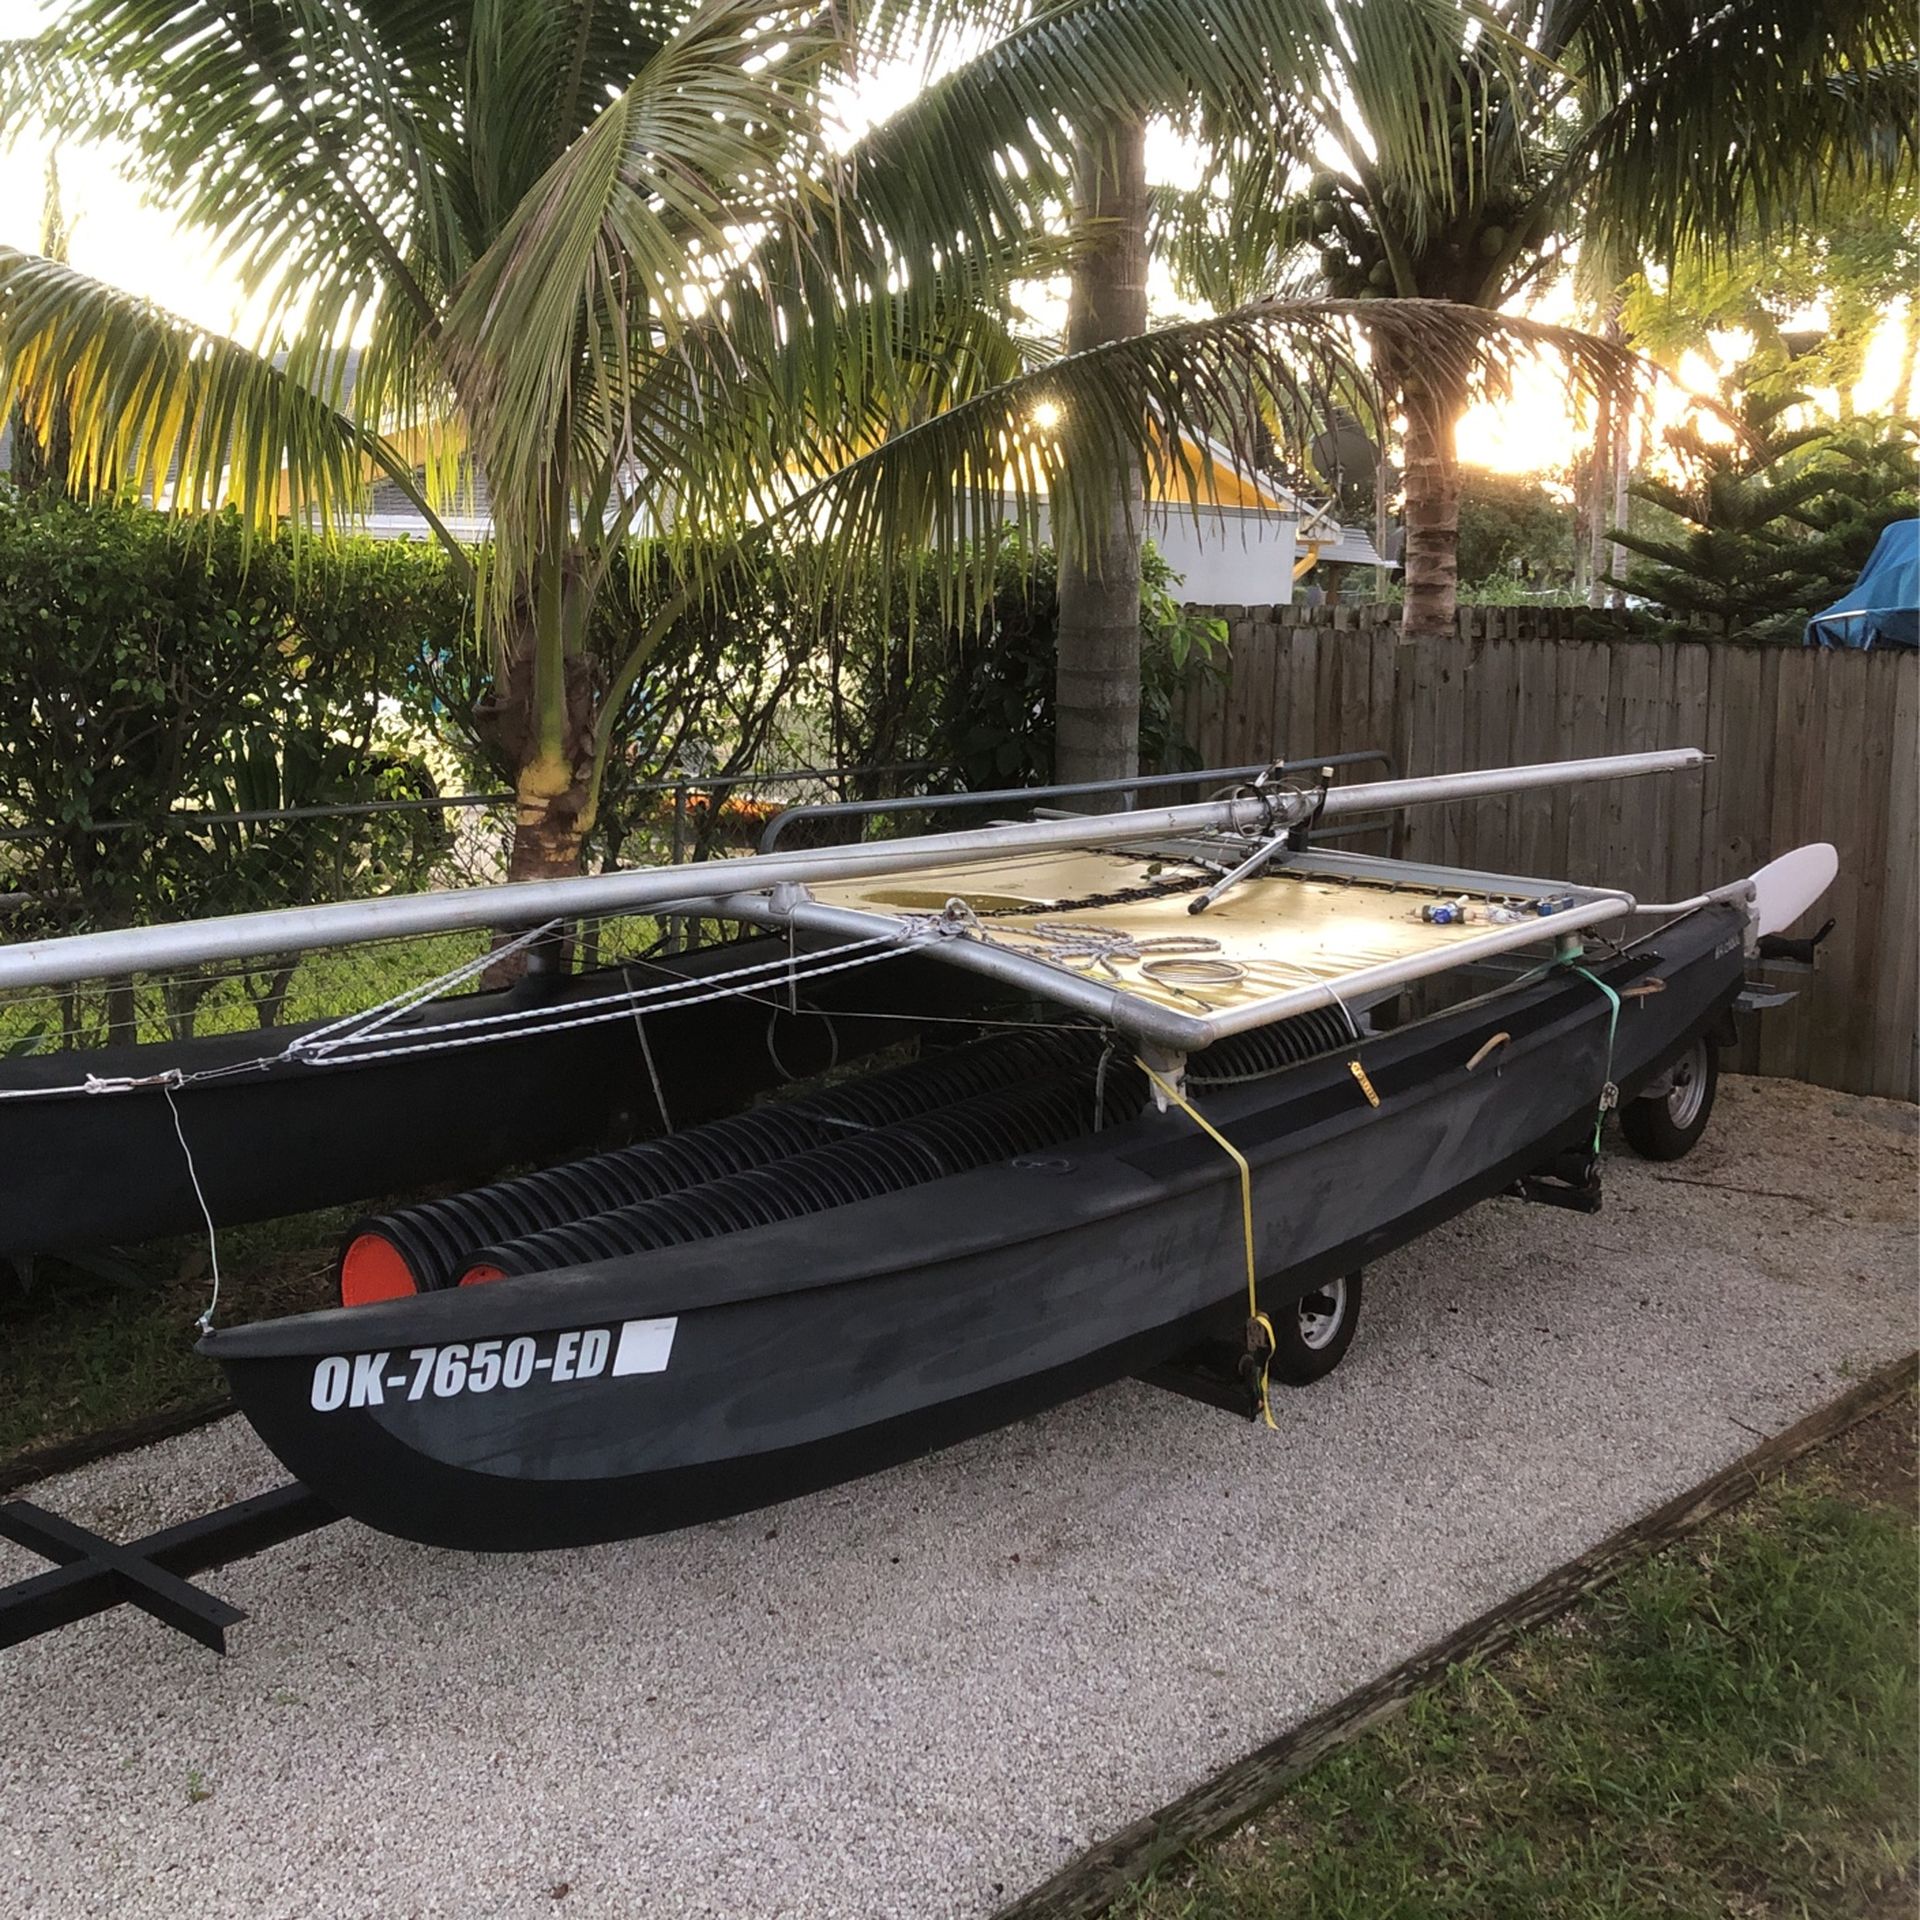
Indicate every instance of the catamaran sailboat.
{"type": "Point", "coordinates": [1212, 1071]}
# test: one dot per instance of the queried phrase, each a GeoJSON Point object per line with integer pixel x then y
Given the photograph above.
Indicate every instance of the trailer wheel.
{"type": "Point", "coordinates": [1666, 1125]}
{"type": "Point", "coordinates": [1312, 1334]}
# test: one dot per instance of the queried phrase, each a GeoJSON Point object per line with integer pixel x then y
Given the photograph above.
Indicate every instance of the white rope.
{"type": "Point", "coordinates": [133, 1083]}
{"type": "Point", "coordinates": [1083, 947]}
{"type": "Point", "coordinates": [167, 1084]}
{"type": "Point", "coordinates": [978, 1022]}
{"type": "Point", "coordinates": [646, 1054]}
{"type": "Point", "coordinates": [339, 1043]}
{"type": "Point", "coordinates": [596, 1011]}
{"type": "Point", "coordinates": [373, 1019]}
{"type": "Point", "coordinates": [1346, 1013]}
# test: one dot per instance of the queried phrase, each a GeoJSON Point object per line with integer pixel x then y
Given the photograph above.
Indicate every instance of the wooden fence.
{"type": "Point", "coordinates": [1807, 746]}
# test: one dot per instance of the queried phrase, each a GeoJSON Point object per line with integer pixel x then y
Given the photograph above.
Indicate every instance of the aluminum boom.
{"type": "Point", "coordinates": [86, 956]}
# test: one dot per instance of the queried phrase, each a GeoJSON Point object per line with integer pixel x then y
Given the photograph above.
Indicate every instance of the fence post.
{"type": "Point", "coordinates": [123, 1022]}
{"type": "Point", "coordinates": [675, 931]}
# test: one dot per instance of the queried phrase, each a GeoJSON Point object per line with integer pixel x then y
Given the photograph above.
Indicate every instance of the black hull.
{"type": "Point", "coordinates": [89, 1171]}
{"type": "Point", "coordinates": [727, 1374]}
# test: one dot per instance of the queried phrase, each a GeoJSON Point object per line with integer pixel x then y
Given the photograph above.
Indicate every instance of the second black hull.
{"type": "Point", "coordinates": [90, 1171]}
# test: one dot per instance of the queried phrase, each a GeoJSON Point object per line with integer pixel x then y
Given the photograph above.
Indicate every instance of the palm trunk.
{"type": "Point", "coordinates": [1436, 396]}
{"type": "Point", "coordinates": [549, 828]}
{"type": "Point", "coordinates": [1097, 669]}
{"type": "Point", "coordinates": [539, 716]}
{"type": "Point", "coordinates": [1599, 496]}
{"type": "Point", "coordinates": [1609, 439]}
{"type": "Point", "coordinates": [547, 834]}
{"type": "Point", "coordinates": [1622, 472]}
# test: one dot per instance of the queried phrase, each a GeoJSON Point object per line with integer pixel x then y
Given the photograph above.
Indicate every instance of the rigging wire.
{"type": "Point", "coordinates": [339, 1043]}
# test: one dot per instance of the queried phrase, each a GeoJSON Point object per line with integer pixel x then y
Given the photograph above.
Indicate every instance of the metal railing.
{"type": "Point", "coordinates": [861, 810]}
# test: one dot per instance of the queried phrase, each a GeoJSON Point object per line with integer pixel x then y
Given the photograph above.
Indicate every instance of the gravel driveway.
{"type": "Point", "coordinates": [922, 1693]}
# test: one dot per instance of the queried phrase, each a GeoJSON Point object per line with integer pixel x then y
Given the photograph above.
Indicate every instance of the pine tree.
{"type": "Point", "coordinates": [1741, 562]}
{"type": "Point", "coordinates": [1870, 470]}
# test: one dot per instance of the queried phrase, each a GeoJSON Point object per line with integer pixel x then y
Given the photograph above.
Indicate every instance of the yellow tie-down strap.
{"type": "Point", "coordinates": [1254, 1316]}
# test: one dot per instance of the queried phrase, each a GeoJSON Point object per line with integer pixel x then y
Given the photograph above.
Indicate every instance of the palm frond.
{"type": "Point", "coordinates": [1229, 247]}
{"type": "Point", "coordinates": [174, 412]}
{"type": "Point", "coordinates": [705, 183]}
{"type": "Point", "coordinates": [299, 185]}
{"type": "Point", "coordinates": [938, 495]}
{"type": "Point", "coordinates": [617, 248]}
{"type": "Point", "coordinates": [971, 139]}
{"type": "Point", "coordinates": [45, 85]}
{"type": "Point", "coordinates": [1710, 125]}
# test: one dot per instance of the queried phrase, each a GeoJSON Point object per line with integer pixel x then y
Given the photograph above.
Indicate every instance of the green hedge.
{"type": "Point", "coordinates": [150, 666]}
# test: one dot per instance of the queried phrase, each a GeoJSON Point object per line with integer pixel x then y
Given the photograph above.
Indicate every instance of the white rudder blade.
{"type": "Point", "coordinates": [1785, 888]}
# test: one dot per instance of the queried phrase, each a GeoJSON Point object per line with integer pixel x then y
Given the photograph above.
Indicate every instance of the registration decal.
{"type": "Point", "coordinates": [444, 1373]}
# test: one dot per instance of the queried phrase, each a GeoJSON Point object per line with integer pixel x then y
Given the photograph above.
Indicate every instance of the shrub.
{"type": "Point", "coordinates": [149, 667]}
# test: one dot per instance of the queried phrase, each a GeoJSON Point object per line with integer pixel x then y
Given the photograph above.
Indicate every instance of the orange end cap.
{"type": "Point", "coordinates": [372, 1268]}
{"type": "Point", "coordinates": [479, 1276]}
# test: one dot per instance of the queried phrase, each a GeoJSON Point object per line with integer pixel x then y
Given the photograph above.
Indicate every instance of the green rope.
{"type": "Point", "coordinates": [1609, 1094]}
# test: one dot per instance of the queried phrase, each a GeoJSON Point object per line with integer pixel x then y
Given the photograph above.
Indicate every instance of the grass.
{"type": "Point", "coordinates": [83, 1350]}
{"type": "Point", "coordinates": [1729, 1731]}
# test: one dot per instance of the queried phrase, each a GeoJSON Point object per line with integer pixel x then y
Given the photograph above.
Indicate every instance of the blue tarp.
{"type": "Point", "coordinates": [1883, 610]}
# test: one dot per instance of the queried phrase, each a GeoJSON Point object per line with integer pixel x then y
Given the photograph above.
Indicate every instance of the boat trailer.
{"type": "Point", "coordinates": [92, 1574]}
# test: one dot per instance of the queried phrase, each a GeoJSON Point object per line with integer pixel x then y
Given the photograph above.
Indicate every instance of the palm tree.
{"type": "Point", "coordinates": [613, 260]}
{"type": "Point", "coordinates": [1097, 631]}
{"type": "Point", "coordinates": [1652, 129]}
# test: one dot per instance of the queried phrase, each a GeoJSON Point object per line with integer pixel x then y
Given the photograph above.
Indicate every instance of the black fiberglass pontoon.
{"type": "Point", "coordinates": [276, 1131]}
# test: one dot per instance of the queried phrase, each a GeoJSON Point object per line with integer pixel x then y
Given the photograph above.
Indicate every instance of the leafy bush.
{"type": "Point", "coordinates": [147, 668]}
{"type": "Point", "coordinates": [151, 669]}
{"type": "Point", "coordinates": [981, 700]}
{"type": "Point", "coordinates": [1514, 536]}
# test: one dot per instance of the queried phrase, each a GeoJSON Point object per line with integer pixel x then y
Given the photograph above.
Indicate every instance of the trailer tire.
{"type": "Point", "coordinates": [1667, 1125]}
{"type": "Point", "coordinates": [1312, 1334]}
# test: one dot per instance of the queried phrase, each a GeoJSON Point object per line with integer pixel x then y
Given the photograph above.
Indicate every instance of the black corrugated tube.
{"type": "Point", "coordinates": [989, 1127]}
{"type": "Point", "coordinates": [1264, 1050]}
{"type": "Point", "coordinates": [417, 1248]}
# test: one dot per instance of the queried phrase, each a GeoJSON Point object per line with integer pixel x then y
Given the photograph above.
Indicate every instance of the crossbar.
{"type": "Point", "coordinates": [92, 1573]}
